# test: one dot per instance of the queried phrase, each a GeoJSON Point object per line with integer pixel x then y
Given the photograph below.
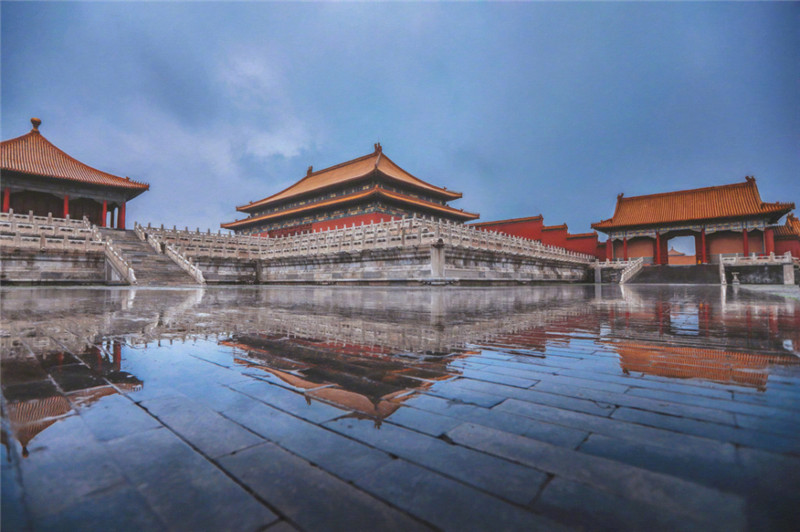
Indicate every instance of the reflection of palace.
{"type": "Point", "coordinates": [362, 349]}
{"type": "Point", "coordinates": [745, 369]}
{"type": "Point", "coordinates": [363, 378]}
{"type": "Point", "coordinates": [33, 402]}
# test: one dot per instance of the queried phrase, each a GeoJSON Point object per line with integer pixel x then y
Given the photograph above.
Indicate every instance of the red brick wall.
{"type": "Point", "coordinates": [793, 246]}
{"type": "Point", "coordinates": [555, 237]}
{"type": "Point", "coordinates": [582, 244]}
{"type": "Point", "coordinates": [531, 229]}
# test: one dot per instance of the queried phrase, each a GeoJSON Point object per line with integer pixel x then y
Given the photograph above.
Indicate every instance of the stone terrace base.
{"type": "Point", "coordinates": [54, 267]}
{"type": "Point", "coordinates": [421, 265]}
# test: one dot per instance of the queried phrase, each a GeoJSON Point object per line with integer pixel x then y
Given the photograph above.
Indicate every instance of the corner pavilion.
{"type": "Point", "coordinates": [39, 177]}
{"type": "Point", "coordinates": [724, 220]}
{"type": "Point", "coordinates": [368, 189]}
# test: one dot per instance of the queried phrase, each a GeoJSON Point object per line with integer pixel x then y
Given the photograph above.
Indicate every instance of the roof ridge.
{"type": "Point", "coordinates": [509, 220]}
{"type": "Point", "coordinates": [748, 182]}
{"type": "Point", "coordinates": [375, 189]}
{"type": "Point", "coordinates": [36, 136]}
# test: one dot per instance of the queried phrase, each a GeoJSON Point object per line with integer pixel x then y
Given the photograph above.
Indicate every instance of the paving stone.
{"type": "Point", "coordinates": [121, 508]}
{"type": "Point", "coordinates": [663, 405]}
{"type": "Point", "coordinates": [720, 470]}
{"type": "Point", "coordinates": [13, 515]}
{"type": "Point", "coordinates": [767, 424]}
{"type": "Point", "coordinates": [333, 452]}
{"type": "Point", "coordinates": [473, 373]}
{"type": "Point", "coordinates": [774, 482]}
{"type": "Point", "coordinates": [446, 503]}
{"type": "Point", "coordinates": [288, 401]}
{"type": "Point", "coordinates": [608, 426]}
{"type": "Point", "coordinates": [576, 402]}
{"type": "Point", "coordinates": [731, 406]}
{"type": "Point", "coordinates": [760, 440]}
{"type": "Point", "coordinates": [587, 508]}
{"type": "Point", "coordinates": [464, 395]}
{"type": "Point", "coordinates": [310, 497]}
{"type": "Point", "coordinates": [30, 390]}
{"type": "Point", "coordinates": [422, 421]}
{"type": "Point", "coordinates": [183, 488]}
{"type": "Point", "coordinates": [669, 493]}
{"type": "Point", "coordinates": [21, 370]}
{"type": "Point", "coordinates": [218, 397]}
{"type": "Point", "coordinates": [533, 428]}
{"type": "Point", "coordinates": [203, 428]}
{"type": "Point", "coordinates": [115, 416]}
{"type": "Point", "coordinates": [502, 478]}
{"type": "Point", "coordinates": [76, 377]}
{"type": "Point", "coordinates": [66, 451]}
{"type": "Point", "coordinates": [282, 526]}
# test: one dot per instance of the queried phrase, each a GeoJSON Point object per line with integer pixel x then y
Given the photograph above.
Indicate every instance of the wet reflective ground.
{"type": "Point", "coordinates": [574, 407]}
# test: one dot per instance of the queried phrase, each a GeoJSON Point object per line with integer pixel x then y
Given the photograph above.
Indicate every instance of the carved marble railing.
{"type": "Point", "coordinates": [46, 233]}
{"type": "Point", "coordinates": [170, 251]}
{"type": "Point", "coordinates": [394, 234]}
{"type": "Point", "coordinates": [115, 258]}
{"type": "Point", "coordinates": [185, 263]}
{"type": "Point", "coordinates": [757, 260]}
{"type": "Point", "coordinates": [631, 270]}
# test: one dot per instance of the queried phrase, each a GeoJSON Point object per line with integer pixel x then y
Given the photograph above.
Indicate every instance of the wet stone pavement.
{"type": "Point", "coordinates": [535, 408]}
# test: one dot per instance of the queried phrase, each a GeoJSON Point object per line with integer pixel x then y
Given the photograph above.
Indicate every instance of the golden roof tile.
{"type": "Point", "coordinates": [737, 200]}
{"type": "Point", "coordinates": [346, 172]}
{"type": "Point", "coordinates": [374, 191]}
{"type": "Point", "coordinates": [33, 154]}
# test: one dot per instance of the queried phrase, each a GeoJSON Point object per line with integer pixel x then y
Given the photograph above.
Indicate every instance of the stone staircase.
{"type": "Point", "coordinates": [151, 268]}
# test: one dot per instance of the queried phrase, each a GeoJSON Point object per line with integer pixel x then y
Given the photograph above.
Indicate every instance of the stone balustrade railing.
{"type": "Point", "coordinates": [632, 269]}
{"type": "Point", "coordinates": [755, 260]}
{"type": "Point", "coordinates": [46, 233]}
{"type": "Point", "coordinates": [170, 251]}
{"type": "Point", "coordinates": [114, 257]}
{"type": "Point", "coordinates": [394, 234]}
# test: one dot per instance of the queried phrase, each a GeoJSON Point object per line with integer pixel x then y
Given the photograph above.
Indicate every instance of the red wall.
{"type": "Point", "coordinates": [791, 245]}
{"type": "Point", "coordinates": [555, 236]}
{"type": "Point", "coordinates": [583, 243]}
{"type": "Point", "coordinates": [530, 228]}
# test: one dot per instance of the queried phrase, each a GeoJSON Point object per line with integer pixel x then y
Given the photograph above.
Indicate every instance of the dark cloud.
{"type": "Point", "coordinates": [527, 108]}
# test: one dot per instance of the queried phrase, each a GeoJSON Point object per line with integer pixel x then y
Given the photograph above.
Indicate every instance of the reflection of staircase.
{"type": "Point", "coordinates": [151, 268]}
{"type": "Point", "coordinates": [698, 274]}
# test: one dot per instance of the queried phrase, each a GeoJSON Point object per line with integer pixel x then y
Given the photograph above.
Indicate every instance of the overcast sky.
{"type": "Point", "coordinates": [526, 108]}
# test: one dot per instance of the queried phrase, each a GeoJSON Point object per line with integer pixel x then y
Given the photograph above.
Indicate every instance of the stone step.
{"type": "Point", "coordinates": [151, 268]}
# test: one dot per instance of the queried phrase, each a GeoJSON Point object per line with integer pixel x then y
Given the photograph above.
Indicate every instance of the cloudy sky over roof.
{"type": "Point", "coordinates": [526, 108]}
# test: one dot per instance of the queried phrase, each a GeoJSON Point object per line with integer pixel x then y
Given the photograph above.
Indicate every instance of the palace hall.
{"type": "Point", "coordinates": [368, 189]}
{"type": "Point", "coordinates": [39, 177]}
{"type": "Point", "coordinates": [724, 220]}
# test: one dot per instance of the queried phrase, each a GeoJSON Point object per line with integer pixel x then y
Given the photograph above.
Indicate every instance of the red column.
{"type": "Point", "coordinates": [117, 355]}
{"type": "Point", "coordinates": [745, 243]}
{"type": "Point", "coordinates": [121, 217]}
{"type": "Point", "coordinates": [66, 206]}
{"type": "Point", "coordinates": [610, 249]}
{"type": "Point", "coordinates": [105, 213]}
{"type": "Point", "coordinates": [703, 257]}
{"type": "Point", "coordinates": [658, 248]}
{"type": "Point", "coordinates": [625, 248]}
{"type": "Point", "coordinates": [769, 241]}
{"type": "Point", "coordinates": [6, 199]}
